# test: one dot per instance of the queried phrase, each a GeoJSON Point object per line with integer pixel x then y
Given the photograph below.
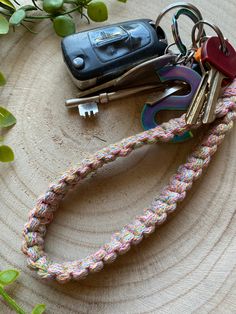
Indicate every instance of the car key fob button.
{"type": "Point", "coordinates": [78, 63]}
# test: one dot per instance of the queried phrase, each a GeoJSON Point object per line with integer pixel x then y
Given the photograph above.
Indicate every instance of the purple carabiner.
{"type": "Point", "coordinates": [174, 102]}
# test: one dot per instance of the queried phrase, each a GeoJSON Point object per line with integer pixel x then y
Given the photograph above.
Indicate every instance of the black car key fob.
{"type": "Point", "coordinates": [99, 55]}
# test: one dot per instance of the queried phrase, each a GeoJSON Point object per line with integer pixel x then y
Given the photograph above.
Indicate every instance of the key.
{"type": "Point", "coordinates": [197, 104]}
{"type": "Point", "coordinates": [161, 95]}
{"type": "Point", "coordinates": [222, 65]}
{"type": "Point", "coordinates": [218, 66]}
{"type": "Point", "coordinates": [88, 106]}
{"type": "Point", "coordinates": [106, 97]}
{"type": "Point", "coordinates": [88, 110]}
{"type": "Point", "coordinates": [214, 86]}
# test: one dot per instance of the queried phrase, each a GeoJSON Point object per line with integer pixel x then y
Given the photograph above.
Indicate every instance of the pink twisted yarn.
{"type": "Point", "coordinates": [131, 234]}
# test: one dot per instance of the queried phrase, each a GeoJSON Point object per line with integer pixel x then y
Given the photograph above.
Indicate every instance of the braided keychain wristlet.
{"type": "Point", "coordinates": [131, 234]}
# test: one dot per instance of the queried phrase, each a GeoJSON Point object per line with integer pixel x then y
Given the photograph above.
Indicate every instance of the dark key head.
{"type": "Point", "coordinates": [223, 62]}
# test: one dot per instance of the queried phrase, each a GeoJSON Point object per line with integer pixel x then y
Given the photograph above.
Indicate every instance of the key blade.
{"type": "Point", "coordinates": [106, 97]}
{"type": "Point", "coordinates": [209, 114]}
{"type": "Point", "coordinates": [74, 102]}
{"type": "Point", "coordinates": [88, 110]}
{"type": "Point", "coordinates": [198, 101]}
{"type": "Point", "coordinates": [159, 96]}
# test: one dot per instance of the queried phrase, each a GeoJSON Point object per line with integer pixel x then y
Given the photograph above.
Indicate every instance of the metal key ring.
{"type": "Point", "coordinates": [175, 29]}
{"type": "Point", "coordinates": [179, 57]}
{"type": "Point", "coordinates": [219, 33]}
{"type": "Point", "coordinates": [168, 47]}
{"type": "Point", "coordinates": [179, 5]}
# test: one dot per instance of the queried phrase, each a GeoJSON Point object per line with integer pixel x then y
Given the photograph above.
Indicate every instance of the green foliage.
{"type": "Point", "coordinates": [28, 7]}
{"type": "Point", "coordinates": [58, 11]}
{"type": "Point", "coordinates": [64, 25]}
{"type": "Point", "coordinates": [6, 154]}
{"type": "Point", "coordinates": [97, 11]}
{"type": "Point", "coordinates": [52, 6]}
{"type": "Point", "coordinates": [6, 4]}
{"type": "Point", "coordinates": [4, 27]}
{"type": "Point", "coordinates": [6, 118]}
{"type": "Point", "coordinates": [2, 79]}
{"type": "Point", "coordinates": [39, 309]}
{"type": "Point", "coordinates": [17, 17]}
{"type": "Point", "coordinates": [6, 278]}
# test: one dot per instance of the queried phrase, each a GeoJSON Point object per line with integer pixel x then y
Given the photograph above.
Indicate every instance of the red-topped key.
{"type": "Point", "coordinates": [218, 58]}
{"type": "Point", "coordinates": [225, 62]}
{"type": "Point", "coordinates": [221, 57]}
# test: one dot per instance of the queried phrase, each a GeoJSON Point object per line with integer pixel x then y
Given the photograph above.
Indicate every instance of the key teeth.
{"type": "Point", "coordinates": [88, 110]}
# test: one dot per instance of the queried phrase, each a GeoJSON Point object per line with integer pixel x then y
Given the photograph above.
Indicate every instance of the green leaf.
{"type": "Point", "coordinates": [28, 7]}
{"type": "Point", "coordinates": [52, 6]}
{"type": "Point", "coordinates": [4, 25]}
{"type": "Point", "coordinates": [6, 4]}
{"type": "Point", "coordinates": [64, 25]}
{"type": "Point", "coordinates": [6, 155]}
{"type": "Point", "coordinates": [39, 309]}
{"type": "Point", "coordinates": [124, 1]}
{"type": "Point", "coordinates": [2, 79]}
{"type": "Point", "coordinates": [6, 118]}
{"type": "Point", "coordinates": [97, 11]}
{"type": "Point", "coordinates": [8, 276]}
{"type": "Point", "coordinates": [17, 17]}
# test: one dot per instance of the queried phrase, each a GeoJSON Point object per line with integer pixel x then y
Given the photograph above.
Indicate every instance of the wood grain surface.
{"type": "Point", "coordinates": [188, 265]}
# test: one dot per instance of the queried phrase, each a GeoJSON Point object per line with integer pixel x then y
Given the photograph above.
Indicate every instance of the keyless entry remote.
{"type": "Point", "coordinates": [102, 54]}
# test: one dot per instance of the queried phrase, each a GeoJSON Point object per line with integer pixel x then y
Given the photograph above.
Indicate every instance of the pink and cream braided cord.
{"type": "Point", "coordinates": [142, 226]}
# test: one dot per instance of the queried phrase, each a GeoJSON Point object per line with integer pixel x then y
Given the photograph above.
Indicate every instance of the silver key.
{"type": "Point", "coordinates": [88, 106]}
{"type": "Point", "coordinates": [197, 105]}
{"type": "Point", "coordinates": [88, 110]}
{"type": "Point", "coordinates": [215, 82]}
{"type": "Point", "coordinates": [103, 98]}
{"type": "Point", "coordinates": [157, 96]}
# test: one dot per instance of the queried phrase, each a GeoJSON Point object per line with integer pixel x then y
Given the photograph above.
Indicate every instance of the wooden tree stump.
{"type": "Point", "coordinates": [188, 265]}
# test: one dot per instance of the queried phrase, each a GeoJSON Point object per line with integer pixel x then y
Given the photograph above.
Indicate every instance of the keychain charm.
{"type": "Point", "coordinates": [174, 102]}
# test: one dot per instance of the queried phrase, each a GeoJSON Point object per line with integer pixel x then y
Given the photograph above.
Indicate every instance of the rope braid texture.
{"type": "Point", "coordinates": [153, 216]}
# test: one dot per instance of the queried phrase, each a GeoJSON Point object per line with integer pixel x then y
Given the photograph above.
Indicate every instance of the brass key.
{"type": "Point", "coordinates": [197, 105]}
{"type": "Point", "coordinates": [215, 82]}
{"type": "Point", "coordinates": [218, 58]}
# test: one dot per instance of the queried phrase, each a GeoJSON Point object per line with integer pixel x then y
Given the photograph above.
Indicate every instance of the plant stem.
{"type": "Point", "coordinates": [28, 29]}
{"type": "Point", "coordinates": [52, 16]}
{"type": "Point", "coordinates": [12, 303]}
{"type": "Point", "coordinates": [35, 4]}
